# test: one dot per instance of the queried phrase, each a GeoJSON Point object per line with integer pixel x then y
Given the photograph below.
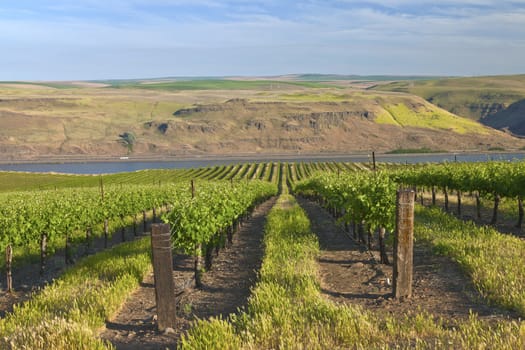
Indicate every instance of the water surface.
{"type": "Point", "coordinates": [128, 165]}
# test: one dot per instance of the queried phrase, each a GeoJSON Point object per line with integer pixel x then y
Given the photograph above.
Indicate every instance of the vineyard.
{"type": "Point", "coordinates": [99, 227]}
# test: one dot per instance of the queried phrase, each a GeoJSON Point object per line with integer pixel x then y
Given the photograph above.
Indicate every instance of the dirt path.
{"type": "Point", "coordinates": [351, 274]}
{"type": "Point", "coordinates": [226, 288]}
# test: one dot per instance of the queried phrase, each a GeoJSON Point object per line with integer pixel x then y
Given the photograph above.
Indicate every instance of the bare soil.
{"type": "Point", "coordinates": [226, 288]}
{"type": "Point", "coordinates": [350, 273]}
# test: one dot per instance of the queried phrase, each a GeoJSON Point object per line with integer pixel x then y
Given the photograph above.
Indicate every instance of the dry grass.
{"type": "Point", "coordinates": [87, 119]}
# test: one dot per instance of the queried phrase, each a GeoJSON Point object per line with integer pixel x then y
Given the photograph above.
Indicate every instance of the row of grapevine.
{"type": "Point", "coordinates": [65, 214]}
{"type": "Point", "coordinates": [503, 178]}
{"type": "Point", "coordinates": [357, 198]}
{"type": "Point", "coordinates": [204, 221]}
{"type": "Point", "coordinates": [297, 171]}
{"type": "Point", "coordinates": [491, 179]}
{"type": "Point", "coordinates": [24, 216]}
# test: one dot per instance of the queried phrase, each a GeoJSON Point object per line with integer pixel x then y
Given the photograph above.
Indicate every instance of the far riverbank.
{"type": "Point", "coordinates": [101, 165]}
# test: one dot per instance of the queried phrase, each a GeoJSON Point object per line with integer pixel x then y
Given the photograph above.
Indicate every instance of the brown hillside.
{"type": "Point", "coordinates": [43, 121]}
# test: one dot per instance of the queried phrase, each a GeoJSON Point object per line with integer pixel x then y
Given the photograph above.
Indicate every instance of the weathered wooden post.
{"type": "Point", "coordinates": [459, 203]}
{"type": "Point", "coordinates": [8, 264]}
{"type": "Point", "coordinates": [163, 274]}
{"type": "Point", "coordinates": [145, 222]}
{"type": "Point", "coordinates": [89, 240]}
{"type": "Point", "coordinates": [520, 212]}
{"type": "Point", "coordinates": [497, 199]}
{"type": "Point", "coordinates": [101, 186]}
{"type": "Point", "coordinates": [478, 206]}
{"type": "Point", "coordinates": [68, 254]}
{"type": "Point", "coordinates": [43, 252]}
{"type": "Point", "coordinates": [123, 229]}
{"type": "Point", "coordinates": [135, 225]}
{"type": "Point", "coordinates": [382, 248]}
{"type": "Point", "coordinates": [106, 233]}
{"type": "Point", "coordinates": [404, 244]}
{"type": "Point", "coordinates": [445, 192]}
{"type": "Point", "coordinates": [197, 264]}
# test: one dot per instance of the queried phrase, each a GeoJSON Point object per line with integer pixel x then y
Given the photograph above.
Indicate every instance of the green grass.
{"type": "Point", "coordinates": [425, 115]}
{"type": "Point", "coordinates": [218, 84]}
{"type": "Point", "coordinates": [69, 313]}
{"type": "Point", "coordinates": [336, 77]}
{"type": "Point", "coordinates": [316, 97]}
{"type": "Point", "coordinates": [286, 309]}
{"type": "Point", "coordinates": [25, 181]}
{"type": "Point", "coordinates": [466, 97]}
{"type": "Point", "coordinates": [493, 260]}
{"type": "Point", "coordinates": [403, 111]}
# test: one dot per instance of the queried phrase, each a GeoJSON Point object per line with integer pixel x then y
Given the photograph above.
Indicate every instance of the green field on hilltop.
{"type": "Point", "coordinates": [425, 117]}
{"type": "Point", "coordinates": [213, 84]}
{"type": "Point", "coordinates": [467, 97]}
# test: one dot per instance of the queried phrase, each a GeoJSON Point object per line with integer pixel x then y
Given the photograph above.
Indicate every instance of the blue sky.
{"type": "Point", "coordinates": [111, 39]}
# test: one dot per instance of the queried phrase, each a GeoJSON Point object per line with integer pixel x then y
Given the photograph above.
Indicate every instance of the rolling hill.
{"type": "Point", "coordinates": [496, 101]}
{"type": "Point", "coordinates": [226, 117]}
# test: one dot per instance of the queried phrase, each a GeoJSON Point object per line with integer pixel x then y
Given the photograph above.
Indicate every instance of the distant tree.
{"type": "Point", "coordinates": [127, 140]}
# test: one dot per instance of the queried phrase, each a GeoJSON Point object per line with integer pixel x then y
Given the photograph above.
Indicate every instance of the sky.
{"type": "Point", "coordinates": [125, 39]}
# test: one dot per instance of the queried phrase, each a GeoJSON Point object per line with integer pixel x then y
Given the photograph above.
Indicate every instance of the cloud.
{"type": "Point", "coordinates": [148, 37]}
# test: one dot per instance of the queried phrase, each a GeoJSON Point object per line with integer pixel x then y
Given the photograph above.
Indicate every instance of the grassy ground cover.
{"type": "Point", "coordinates": [428, 116]}
{"type": "Point", "coordinates": [287, 311]}
{"type": "Point", "coordinates": [218, 84]}
{"type": "Point", "coordinates": [464, 96]}
{"type": "Point", "coordinates": [25, 181]}
{"type": "Point", "coordinates": [69, 313]}
{"type": "Point", "coordinates": [493, 260]}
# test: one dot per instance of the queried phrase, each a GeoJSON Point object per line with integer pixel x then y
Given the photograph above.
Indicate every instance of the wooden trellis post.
{"type": "Point", "coordinates": [8, 264]}
{"type": "Point", "coordinates": [404, 244]}
{"type": "Point", "coordinates": [163, 274]}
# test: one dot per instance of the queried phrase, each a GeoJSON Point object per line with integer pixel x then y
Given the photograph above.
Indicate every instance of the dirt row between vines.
{"type": "Point", "coordinates": [226, 288]}
{"type": "Point", "coordinates": [349, 273]}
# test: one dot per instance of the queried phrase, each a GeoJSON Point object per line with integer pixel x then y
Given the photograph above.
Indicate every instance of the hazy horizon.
{"type": "Point", "coordinates": [139, 39]}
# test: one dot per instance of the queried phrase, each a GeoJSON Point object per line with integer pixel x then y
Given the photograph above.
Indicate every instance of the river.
{"type": "Point", "coordinates": [127, 165]}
